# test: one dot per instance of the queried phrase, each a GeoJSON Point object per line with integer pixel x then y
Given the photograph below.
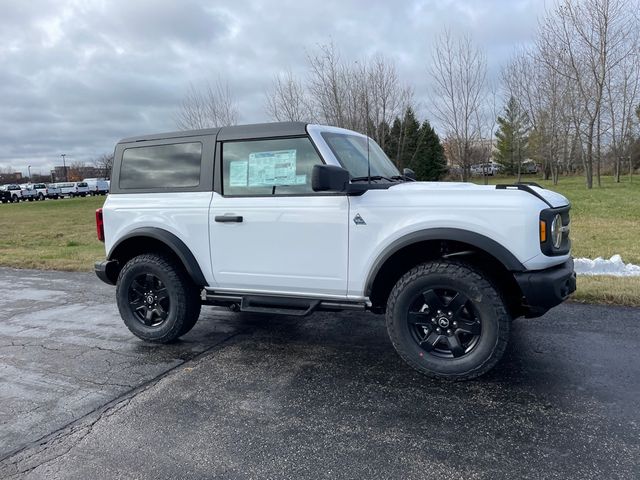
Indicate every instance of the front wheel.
{"type": "Point", "coordinates": [156, 298]}
{"type": "Point", "coordinates": [446, 320]}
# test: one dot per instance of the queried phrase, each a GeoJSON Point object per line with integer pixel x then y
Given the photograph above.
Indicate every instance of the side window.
{"type": "Point", "coordinates": [268, 167]}
{"type": "Point", "coordinates": [161, 166]}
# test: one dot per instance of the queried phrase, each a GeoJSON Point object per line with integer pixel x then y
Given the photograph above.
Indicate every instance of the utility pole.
{"type": "Point", "coordinates": [29, 170]}
{"type": "Point", "coordinates": [64, 167]}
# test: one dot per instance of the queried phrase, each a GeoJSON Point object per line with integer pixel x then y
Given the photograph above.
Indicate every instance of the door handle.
{"type": "Point", "coordinates": [228, 218]}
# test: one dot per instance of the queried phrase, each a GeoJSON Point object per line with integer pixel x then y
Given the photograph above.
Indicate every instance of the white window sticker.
{"type": "Point", "coordinates": [272, 168]}
{"type": "Point", "coordinates": [238, 173]}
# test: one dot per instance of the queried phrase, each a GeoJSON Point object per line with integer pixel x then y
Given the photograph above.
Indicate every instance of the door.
{"type": "Point", "coordinates": [269, 231]}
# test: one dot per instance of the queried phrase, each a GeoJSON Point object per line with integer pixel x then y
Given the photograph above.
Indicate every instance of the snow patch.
{"type": "Point", "coordinates": [600, 266]}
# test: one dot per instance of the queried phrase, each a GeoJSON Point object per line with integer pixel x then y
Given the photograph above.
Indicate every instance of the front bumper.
{"type": "Point", "coordinates": [107, 271]}
{"type": "Point", "coordinates": [544, 289]}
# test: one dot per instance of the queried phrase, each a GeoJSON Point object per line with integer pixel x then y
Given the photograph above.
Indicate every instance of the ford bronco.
{"type": "Point", "coordinates": [294, 218]}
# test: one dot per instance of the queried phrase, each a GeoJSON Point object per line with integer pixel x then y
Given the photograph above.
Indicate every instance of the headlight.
{"type": "Point", "coordinates": [556, 231]}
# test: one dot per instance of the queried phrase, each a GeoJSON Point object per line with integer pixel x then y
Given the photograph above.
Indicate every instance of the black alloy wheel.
{"type": "Point", "coordinates": [149, 300]}
{"type": "Point", "coordinates": [444, 323]}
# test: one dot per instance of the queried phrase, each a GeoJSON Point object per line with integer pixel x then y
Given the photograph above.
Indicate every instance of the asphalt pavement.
{"type": "Point", "coordinates": [260, 396]}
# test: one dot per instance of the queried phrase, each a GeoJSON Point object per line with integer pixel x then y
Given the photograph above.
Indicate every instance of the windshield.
{"type": "Point", "coordinates": [351, 152]}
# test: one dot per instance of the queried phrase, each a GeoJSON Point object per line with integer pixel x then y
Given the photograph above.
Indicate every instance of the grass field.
{"type": "Point", "coordinates": [51, 235]}
{"type": "Point", "coordinates": [60, 234]}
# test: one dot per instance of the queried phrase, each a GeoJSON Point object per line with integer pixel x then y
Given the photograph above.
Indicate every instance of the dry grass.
{"type": "Point", "coordinates": [608, 290]}
{"type": "Point", "coordinates": [50, 235]}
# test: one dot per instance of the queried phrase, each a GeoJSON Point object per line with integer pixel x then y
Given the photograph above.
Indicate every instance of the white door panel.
{"type": "Point", "coordinates": [294, 244]}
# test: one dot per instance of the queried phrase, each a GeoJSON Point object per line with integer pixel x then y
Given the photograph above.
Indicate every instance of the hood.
{"type": "Point", "coordinates": [552, 198]}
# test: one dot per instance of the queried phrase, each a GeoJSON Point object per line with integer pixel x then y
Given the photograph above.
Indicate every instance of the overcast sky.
{"type": "Point", "coordinates": [77, 75]}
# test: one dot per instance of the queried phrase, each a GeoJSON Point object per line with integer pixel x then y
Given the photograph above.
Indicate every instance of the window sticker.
{"type": "Point", "coordinates": [272, 168]}
{"type": "Point", "coordinates": [238, 173]}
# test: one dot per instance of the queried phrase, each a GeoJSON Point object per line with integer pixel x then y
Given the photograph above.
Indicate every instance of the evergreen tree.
{"type": "Point", "coordinates": [415, 146]}
{"type": "Point", "coordinates": [428, 160]}
{"type": "Point", "coordinates": [393, 143]}
{"type": "Point", "coordinates": [512, 138]}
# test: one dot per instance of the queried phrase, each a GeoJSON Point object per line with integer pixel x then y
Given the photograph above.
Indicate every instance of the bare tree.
{"type": "Point", "coordinates": [543, 94]}
{"type": "Point", "coordinates": [364, 96]}
{"type": "Point", "coordinates": [104, 163]}
{"type": "Point", "coordinates": [207, 107]}
{"type": "Point", "coordinates": [287, 100]}
{"type": "Point", "coordinates": [459, 71]}
{"type": "Point", "coordinates": [622, 95]}
{"type": "Point", "coordinates": [584, 41]}
{"type": "Point", "coordinates": [76, 171]}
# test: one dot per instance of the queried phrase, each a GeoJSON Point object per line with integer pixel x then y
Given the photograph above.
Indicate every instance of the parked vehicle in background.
{"type": "Point", "coordinates": [97, 186]}
{"type": "Point", "coordinates": [53, 191]}
{"type": "Point", "coordinates": [5, 195]}
{"type": "Point", "coordinates": [81, 189]}
{"type": "Point", "coordinates": [29, 193]}
{"type": "Point", "coordinates": [73, 189]}
{"type": "Point", "coordinates": [15, 191]}
{"type": "Point", "coordinates": [66, 189]}
{"type": "Point", "coordinates": [489, 169]}
{"type": "Point", "coordinates": [41, 190]}
{"type": "Point", "coordinates": [529, 167]}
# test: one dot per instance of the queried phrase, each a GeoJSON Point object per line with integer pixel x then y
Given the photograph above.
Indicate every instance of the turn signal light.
{"type": "Point", "coordinates": [543, 231]}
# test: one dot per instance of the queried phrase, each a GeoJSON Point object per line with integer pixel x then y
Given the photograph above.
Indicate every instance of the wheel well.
{"type": "Point", "coordinates": [140, 244]}
{"type": "Point", "coordinates": [419, 252]}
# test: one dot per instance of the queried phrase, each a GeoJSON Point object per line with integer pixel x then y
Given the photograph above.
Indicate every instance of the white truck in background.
{"type": "Point", "coordinates": [97, 186]}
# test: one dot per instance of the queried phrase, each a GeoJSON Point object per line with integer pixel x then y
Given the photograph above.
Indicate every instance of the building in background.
{"type": "Point", "coordinates": [15, 177]}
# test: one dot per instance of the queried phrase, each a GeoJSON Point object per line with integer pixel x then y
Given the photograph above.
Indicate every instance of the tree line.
{"type": "Point", "coordinates": [569, 102]}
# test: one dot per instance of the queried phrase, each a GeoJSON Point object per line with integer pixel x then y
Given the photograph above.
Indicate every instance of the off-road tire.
{"type": "Point", "coordinates": [183, 294]}
{"type": "Point", "coordinates": [485, 299]}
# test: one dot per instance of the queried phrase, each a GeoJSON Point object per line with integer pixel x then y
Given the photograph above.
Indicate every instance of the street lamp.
{"type": "Point", "coordinates": [64, 167]}
{"type": "Point", "coordinates": [29, 170]}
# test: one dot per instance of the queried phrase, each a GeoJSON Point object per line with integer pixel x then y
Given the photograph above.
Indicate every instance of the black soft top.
{"type": "Point", "coordinates": [236, 132]}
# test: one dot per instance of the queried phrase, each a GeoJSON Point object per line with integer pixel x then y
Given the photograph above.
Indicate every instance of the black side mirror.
{"type": "Point", "coordinates": [329, 178]}
{"type": "Point", "coordinates": [407, 172]}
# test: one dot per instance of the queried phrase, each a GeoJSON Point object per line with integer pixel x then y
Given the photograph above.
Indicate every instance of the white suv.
{"type": "Point", "coordinates": [292, 218]}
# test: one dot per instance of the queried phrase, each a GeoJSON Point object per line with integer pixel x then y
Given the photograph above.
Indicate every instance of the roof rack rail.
{"type": "Point", "coordinates": [525, 187]}
{"type": "Point", "coordinates": [533, 184]}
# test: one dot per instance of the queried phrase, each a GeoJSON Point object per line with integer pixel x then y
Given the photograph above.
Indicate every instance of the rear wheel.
{"type": "Point", "coordinates": [446, 320]}
{"type": "Point", "coordinates": [40, 196]}
{"type": "Point", "coordinates": [15, 199]}
{"type": "Point", "coordinates": [156, 298]}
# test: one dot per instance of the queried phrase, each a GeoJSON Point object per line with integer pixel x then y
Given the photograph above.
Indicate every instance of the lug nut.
{"type": "Point", "coordinates": [439, 311]}
{"type": "Point", "coordinates": [433, 320]}
{"type": "Point", "coordinates": [438, 330]}
{"type": "Point", "coordinates": [455, 324]}
{"type": "Point", "coordinates": [449, 313]}
{"type": "Point", "coordinates": [449, 332]}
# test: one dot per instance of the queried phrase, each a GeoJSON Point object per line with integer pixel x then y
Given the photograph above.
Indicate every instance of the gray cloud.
{"type": "Point", "coordinates": [75, 76]}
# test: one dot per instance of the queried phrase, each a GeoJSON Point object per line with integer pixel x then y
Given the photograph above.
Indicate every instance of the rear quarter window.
{"type": "Point", "coordinates": [161, 166]}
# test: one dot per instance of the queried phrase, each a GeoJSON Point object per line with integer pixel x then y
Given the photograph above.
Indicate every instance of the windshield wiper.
{"type": "Point", "coordinates": [372, 177]}
{"type": "Point", "coordinates": [404, 178]}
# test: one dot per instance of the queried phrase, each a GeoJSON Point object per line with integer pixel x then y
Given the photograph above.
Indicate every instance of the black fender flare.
{"type": "Point", "coordinates": [176, 245]}
{"type": "Point", "coordinates": [476, 240]}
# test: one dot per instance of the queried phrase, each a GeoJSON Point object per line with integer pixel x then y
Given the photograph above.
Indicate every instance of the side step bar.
{"type": "Point", "coordinates": [297, 306]}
